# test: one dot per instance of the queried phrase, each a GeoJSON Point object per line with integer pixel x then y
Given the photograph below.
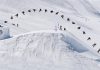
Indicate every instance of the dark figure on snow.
{"type": "Point", "coordinates": [34, 10]}
{"type": "Point", "coordinates": [23, 12]}
{"type": "Point", "coordinates": [45, 10]}
{"type": "Point", "coordinates": [68, 19]}
{"type": "Point", "coordinates": [16, 15]}
{"type": "Point", "coordinates": [57, 13]}
{"type": "Point", "coordinates": [60, 27]}
{"type": "Point", "coordinates": [73, 22]}
{"type": "Point", "coordinates": [13, 24]}
{"type": "Point", "coordinates": [0, 26]}
{"type": "Point", "coordinates": [64, 28]}
{"type": "Point", "coordinates": [98, 51]}
{"type": "Point", "coordinates": [17, 25]}
{"type": "Point", "coordinates": [29, 10]}
{"type": "Point", "coordinates": [62, 16]}
{"type": "Point", "coordinates": [89, 38]}
{"type": "Point", "coordinates": [51, 11]}
{"type": "Point", "coordinates": [11, 17]}
{"type": "Point", "coordinates": [94, 45]}
{"type": "Point", "coordinates": [5, 21]}
{"type": "Point", "coordinates": [84, 32]}
{"type": "Point", "coordinates": [78, 27]}
{"type": "Point", "coordinates": [40, 10]}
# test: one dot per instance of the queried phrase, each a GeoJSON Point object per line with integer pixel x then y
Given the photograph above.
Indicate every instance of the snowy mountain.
{"type": "Point", "coordinates": [49, 34]}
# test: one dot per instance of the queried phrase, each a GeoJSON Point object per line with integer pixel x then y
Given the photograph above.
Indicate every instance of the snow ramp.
{"type": "Point", "coordinates": [43, 50]}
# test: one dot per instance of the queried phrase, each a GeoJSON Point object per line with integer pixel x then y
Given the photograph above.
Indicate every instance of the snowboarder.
{"type": "Point", "coordinates": [98, 51]}
{"type": "Point", "coordinates": [11, 17]}
{"type": "Point", "coordinates": [5, 21]}
{"type": "Point", "coordinates": [94, 45]}
{"type": "Point", "coordinates": [1, 32]}
{"type": "Point", "coordinates": [45, 10]}
{"type": "Point", "coordinates": [40, 10]}
{"type": "Point", "coordinates": [16, 15]}
{"type": "Point", "coordinates": [13, 24]}
{"type": "Point", "coordinates": [62, 16]}
{"type": "Point", "coordinates": [84, 32]}
{"type": "Point", "coordinates": [34, 10]}
{"type": "Point", "coordinates": [23, 12]}
{"type": "Point", "coordinates": [57, 13]}
{"type": "Point", "coordinates": [60, 27]}
{"type": "Point", "coordinates": [89, 38]}
{"type": "Point", "coordinates": [17, 25]}
{"type": "Point", "coordinates": [64, 29]}
{"type": "Point", "coordinates": [73, 22]}
{"type": "Point", "coordinates": [0, 26]}
{"type": "Point", "coordinates": [68, 19]}
{"type": "Point", "coordinates": [51, 11]}
{"type": "Point", "coordinates": [29, 10]}
{"type": "Point", "coordinates": [78, 27]}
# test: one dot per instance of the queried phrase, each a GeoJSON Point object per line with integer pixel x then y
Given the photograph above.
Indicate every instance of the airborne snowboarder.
{"type": "Point", "coordinates": [89, 38]}
{"type": "Point", "coordinates": [84, 32]}
{"type": "Point", "coordinates": [98, 51]}
{"type": "Point", "coordinates": [62, 16]}
{"type": "Point", "coordinates": [94, 45]}
{"type": "Point", "coordinates": [29, 10]}
{"type": "Point", "coordinates": [45, 10]}
{"type": "Point", "coordinates": [40, 10]}
{"type": "Point", "coordinates": [51, 11]}
{"type": "Point", "coordinates": [23, 12]}
{"type": "Point", "coordinates": [64, 28]}
{"type": "Point", "coordinates": [68, 19]}
{"type": "Point", "coordinates": [73, 22]}
{"type": "Point", "coordinates": [5, 21]}
{"type": "Point", "coordinates": [78, 27]}
{"type": "Point", "coordinates": [11, 17]}
{"type": "Point", "coordinates": [34, 10]}
{"type": "Point", "coordinates": [57, 13]}
{"type": "Point", "coordinates": [16, 15]}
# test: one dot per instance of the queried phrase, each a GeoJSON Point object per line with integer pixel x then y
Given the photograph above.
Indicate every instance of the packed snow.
{"type": "Point", "coordinates": [49, 35]}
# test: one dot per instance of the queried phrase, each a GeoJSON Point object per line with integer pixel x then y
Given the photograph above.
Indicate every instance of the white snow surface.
{"type": "Point", "coordinates": [37, 42]}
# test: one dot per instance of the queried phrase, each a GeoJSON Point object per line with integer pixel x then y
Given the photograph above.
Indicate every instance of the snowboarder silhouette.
{"type": "Point", "coordinates": [17, 25]}
{"type": "Point", "coordinates": [45, 10]}
{"type": "Point", "coordinates": [5, 21]}
{"type": "Point", "coordinates": [16, 15]}
{"type": "Point", "coordinates": [23, 12]}
{"type": "Point", "coordinates": [78, 27]}
{"type": "Point", "coordinates": [98, 51]}
{"type": "Point", "coordinates": [40, 10]}
{"type": "Point", "coordinates": [94, 45]}
{"type": "Point", "coordinates": [62, 16]}
{"type": "Point", "coordinates": [64, 28]}
{"type": "Point", "coordinates": [73, 22]}
{"type": "Point", "coordinates": [13, 24]}
{"type": "Point", "coordinates": [34, 10]}
{"type": "Point", "coordinates": [68, 19]}
{"type": "Point", "coordinates": [89, 38]}
{"type": "Point", "coordinates": [11, 17]}
{"type": "Point", "coordinates": [57, 13]}
{"type": "Point", "coordinates": [0, 26]}
{"type": "Point", "coordinates": [29, 10]}
{"type": "Point", "coordinates": [84, 32]}
{"type": "Point", "coordinates": [60, 27]}
{"type": "Point", "coordinates": [51, 11]}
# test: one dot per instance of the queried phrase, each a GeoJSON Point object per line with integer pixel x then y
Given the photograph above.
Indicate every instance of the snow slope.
{"type": "Point", "coordinates": [50, 48]}
{"type": "Point", "coordinates": [39, 42]}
